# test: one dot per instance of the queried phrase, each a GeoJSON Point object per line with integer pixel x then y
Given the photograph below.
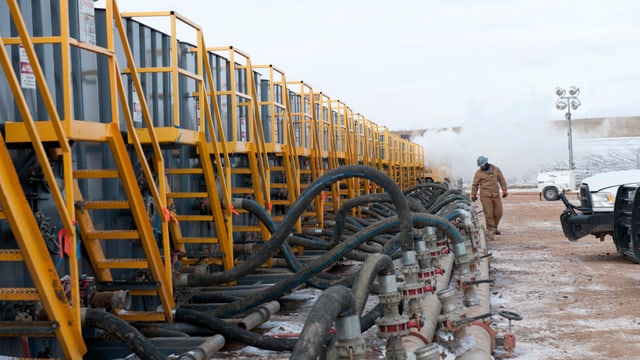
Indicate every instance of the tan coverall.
{"type": "Point", "coordinates": [489, 182]}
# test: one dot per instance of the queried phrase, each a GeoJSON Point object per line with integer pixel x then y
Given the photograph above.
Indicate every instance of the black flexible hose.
{"type": "Point", "coordinates": [232, 331]}
{"type": "Point", "coordinates": [376, 264]}
{"type": "Point", "coordinates": [321, 263]}
{"type": "Point", "coordinates": [285, 249]}
{"type": "Point", "coordinates": [336, 301]}
{"type": "Point", "coordinates": [440, 204]}
{"type": "Point", "coordinates": [420, 187]}
{"type": "Point", "coordinates": [311, 268]}
{"type": "Point", "coordinates": [123, 331]}
{"type": "Point", "coordinates": [298, 208]}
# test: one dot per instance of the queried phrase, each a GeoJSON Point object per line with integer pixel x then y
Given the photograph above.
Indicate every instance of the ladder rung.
{"type": "Point", "coordinates": [277, 218]}
{"type": "Point", "coordinates": [280, 202]}
{"type": "Point", "coordinates": [279, 186]}
{"type": "Point", "coordinates": [95, 173]}
{"type": "Point", "coordinates": [240, 190]}
{"type": "Point", "coordinates": [143, 292]}
{"type": "Point", "coordinates": [3, 215]}
{"type": "Point", "coordinates": [198, 240]}
{"type": "Point", "coordinates": [19, 294]}
{"type": "Point", "coordinates": [194, 217]}
{"type": "Point", "coordinates": [246, 228]}
{"type": "Point", "coordinates": [240, 171]}
{"type": "Point", "coordinates": [11, 255]}
{"type": "Point", "coordinates": [187, 195]}
{"type": "Point", "coordinates": [123, 264]}
{"type": "Point", "coordinates": [277, 168]}
{"type": "Point", "coordinates": [149, 316]}
{"type": "Point", "coordinates": [28, 328]}
{"type": "Point", "coordinates": [187, 171]}
{"type": "Point", "coordinates": [105, 204]}
{"type": "Point", "coordinates": [113, 235]}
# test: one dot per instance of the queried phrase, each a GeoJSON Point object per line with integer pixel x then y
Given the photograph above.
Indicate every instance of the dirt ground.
{"type": "Point", "coordinates": [576, 298]}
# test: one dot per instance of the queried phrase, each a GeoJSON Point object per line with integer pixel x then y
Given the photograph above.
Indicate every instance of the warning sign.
{"type": "Point", "coordinates": [137, 108]}
{"type": "Point", "coordinates": [27, 78]}
{"type": "Point", "coordinates": [87, 21]}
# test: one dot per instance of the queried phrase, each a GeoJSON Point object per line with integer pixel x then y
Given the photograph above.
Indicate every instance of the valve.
{"type": "Point", "coordinates": [509, 338]}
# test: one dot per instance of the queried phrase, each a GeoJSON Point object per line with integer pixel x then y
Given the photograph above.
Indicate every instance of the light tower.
{"type": "Point", "coordinates": [569, 100]}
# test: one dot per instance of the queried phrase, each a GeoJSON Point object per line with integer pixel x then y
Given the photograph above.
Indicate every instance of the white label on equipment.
{"type": "Point", "coordinates": [137, 108]}
{"type": "Point", "coordinates": [27, 78]}
{"type": "Point", "coordinates": [87, 21]}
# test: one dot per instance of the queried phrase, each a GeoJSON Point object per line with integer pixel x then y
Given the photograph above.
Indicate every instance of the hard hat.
{"type": "Point", "coordinates": [482, 160]}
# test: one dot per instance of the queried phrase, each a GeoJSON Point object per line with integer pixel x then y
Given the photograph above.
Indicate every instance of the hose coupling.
{"type": "Point", "coordinates": [349, 342]}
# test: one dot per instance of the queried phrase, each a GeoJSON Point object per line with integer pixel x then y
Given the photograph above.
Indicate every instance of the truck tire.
{"type": "Point", "coordinates": [550, 193]}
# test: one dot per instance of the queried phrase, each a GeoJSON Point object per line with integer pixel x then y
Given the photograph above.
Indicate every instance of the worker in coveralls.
{"type": "Point", "coordinates": [489, 180]}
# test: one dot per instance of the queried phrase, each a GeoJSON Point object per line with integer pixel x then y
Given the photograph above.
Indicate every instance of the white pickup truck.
{"type": "Point", "coordinates": [552, 183]}
{"type": "Point", "coordinates": [595, 213]}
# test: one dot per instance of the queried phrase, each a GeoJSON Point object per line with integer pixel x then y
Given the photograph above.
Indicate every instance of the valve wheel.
{"type": "Point", "coordinates": [510, 315]}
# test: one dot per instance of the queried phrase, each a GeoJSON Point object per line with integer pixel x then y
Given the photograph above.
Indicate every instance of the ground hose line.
{"type": "Point", "coordinates": [123, 331]}
{"type": "Point", "coordinates": [233, 331]}
{"type": "Point", "coordinates": [440, 204]}
{"type": "Point", "coordinates": [350, 204]}
{"type": "Point", "coordinates": [298, 208]}
{"type": "Point", "coordinates": [294, 264]}
{"type": "Point", "coordinates": [336, 301]}
{"type": "Point", "coordinates": [420, 187]}
{"type": "Point", "coordinates": [321, 263]}
{"type": "Point", "coordinates": [376, 264]}
{"type": "Point", "coordinates": [325, 260]}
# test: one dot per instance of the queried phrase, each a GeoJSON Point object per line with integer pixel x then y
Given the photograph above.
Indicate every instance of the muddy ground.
{"type": "Point", "coordinates": [577, 298]}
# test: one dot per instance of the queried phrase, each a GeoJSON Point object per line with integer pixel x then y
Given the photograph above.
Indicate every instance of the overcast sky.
{"type": "Point", "coordinates": [406, 64]}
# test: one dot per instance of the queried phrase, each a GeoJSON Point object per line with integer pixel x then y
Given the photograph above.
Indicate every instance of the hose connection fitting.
{"type": "Point", "coordinates": [349, 342]}
{"type": "Point", "coordinates": [427, 271]}
{"type": "Point", "coordinates": [392, 326]}
{"type": "Point", "coordinates": [466, 280]}
{"type": "Point", "coordinates": [428, 352]}
{"type": "Point", "coordinates": [413, 288]}
{"type": "Point", "coordinates": [453, 324]}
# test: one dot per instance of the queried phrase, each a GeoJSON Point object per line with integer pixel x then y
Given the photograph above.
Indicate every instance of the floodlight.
{"type": "Point", "coordinates": [561, 104]}
{"type": "Point", "coordinates": [575, 103]}
{"type": "Point", "coordinates": [560, 91]}
{"type": "Point", "coordinates": [574, 91]}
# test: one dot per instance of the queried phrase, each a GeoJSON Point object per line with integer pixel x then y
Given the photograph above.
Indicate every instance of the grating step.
{"type": "Point", "coordinates": [128, 285]}
{"type": "Point", "coordinates": [123, 264]}
{"type": "Point", "coordinates": [28, 328]}
{"type": "Point", "coordinates": [95, 173]}
{"type": "Point", "coordinates": [19, 294]}
{"type": "Point", "coordinates": [148, 316]}
{"type": "Point", "coordinates": [187, 195]}
{"type": "Point", "coordinates": [188, 171]}
{"type": "Point", "coordinates": [105, 204]}
{"type": "Point", "coordinates": [246, 228]}
{"type": "Point", "coordinates": [239, 190]}
{"type": "Point", "coordinates": [199, 240]}
{"type": "Point", "coordinates": [113, 235]}
{"type": "Point", "coordinates": [11, 255]}
{"type": "Point", "coordinates": [194, 217]}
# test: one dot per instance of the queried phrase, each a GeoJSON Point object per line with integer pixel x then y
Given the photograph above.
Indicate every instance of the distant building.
{"type": "Point", "coordinates": [585, 128]}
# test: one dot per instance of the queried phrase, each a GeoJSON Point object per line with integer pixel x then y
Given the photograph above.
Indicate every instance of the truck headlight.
{"type": "Point", "coordinates": [603, 199]}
